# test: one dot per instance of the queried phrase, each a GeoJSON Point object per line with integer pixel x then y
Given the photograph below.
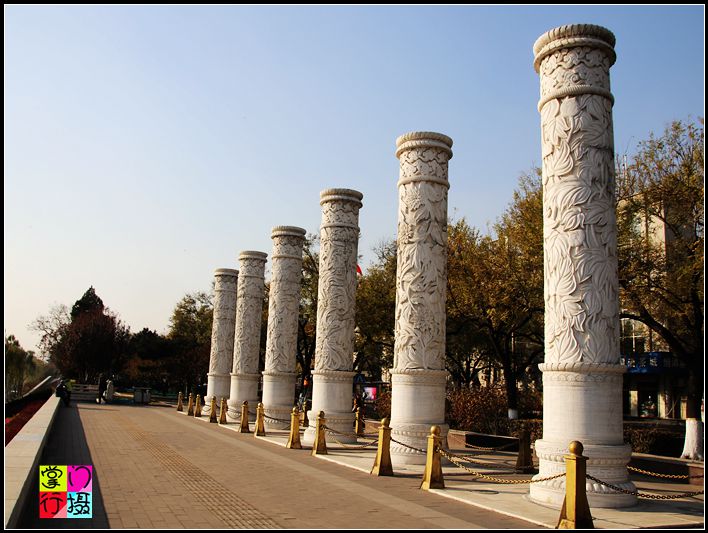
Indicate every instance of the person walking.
{"type": "Point", "coordinates": [102, 384]}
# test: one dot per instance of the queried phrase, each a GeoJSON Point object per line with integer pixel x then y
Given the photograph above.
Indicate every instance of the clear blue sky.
{"type": "Point", "coordinates": [147, 146]}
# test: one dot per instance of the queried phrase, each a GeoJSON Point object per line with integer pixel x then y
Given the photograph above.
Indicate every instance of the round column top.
{"type": "Point", "coordinates": [226, 272]}
{"type": "Point", "coordinates": [423, 139]}
{"type": "Point", "coordinates": [572, 35]}
{"type": "Point", "coordinates": [282, 231]}
{"type": "Point", "coordinates": [347, 195]}
{"type": "Point", "coordinates": [251, 254]}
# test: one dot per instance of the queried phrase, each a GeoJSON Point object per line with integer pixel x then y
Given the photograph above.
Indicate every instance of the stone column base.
{"type": "Point", "coordinates": [244, 387]}
{"type": "Point", "coordinates": [217, 385]}
{"type": "Point", "coordinates": [607, 463]}
{"type": "Point", "coordinates": [332, 393]}
{"type": "Point", "coordinates": [417, 403]}
{"type": "Point", "coordinates": [278, 398]}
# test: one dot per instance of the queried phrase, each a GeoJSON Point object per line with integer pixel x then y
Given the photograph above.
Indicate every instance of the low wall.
{"type": "Point", "coordinates": [22, 457]}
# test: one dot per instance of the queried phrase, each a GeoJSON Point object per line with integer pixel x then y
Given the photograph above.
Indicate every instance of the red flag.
{"type": "Point", "coordinates": [358, 270]}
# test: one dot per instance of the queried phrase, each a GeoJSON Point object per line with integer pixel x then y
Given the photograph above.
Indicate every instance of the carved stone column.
{"type": "Point", "coordinates": [582, 377]}
{"type": "Point", "coordinates": [247, 340]}
{"type": "Point", "coordinates": [336, 303]}
{"type": "Point", "coordinates": [279, 375]}
{"type": "Point", "coordinates": [418, 376]}
{"type": "Point", "coordinates": [222, 334]}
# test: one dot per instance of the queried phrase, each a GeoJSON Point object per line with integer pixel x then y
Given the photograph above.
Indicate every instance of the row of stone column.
{"type": "Point", "coordinates": [582, 375]}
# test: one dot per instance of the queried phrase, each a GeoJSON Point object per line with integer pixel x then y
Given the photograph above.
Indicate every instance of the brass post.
{"type": "Point", "coordinates": [305, 421]}
{"type": "Point", "coordinates": [198, 407]}
{"type": "Point", "coordinates": [223, 411]}
{"type": "Point", "coordinates": [359, 422]}
{"type": "Point", "coordinates": [433, 475]}
{"type": "Point", "coordinates": [180, 407]}
{"type": "Point", "coordinates": [212, 410]}
{"type": "Point", "coordinates": [382, 462]}
{"type": "Point", "coordinates": [244, 418]}
{"type": "Point", "coordinates": [575, 513]}
{"type": "Point", "coordinates": [524, 460]}
{"type": "Point", "coordinates": [190, 405]}
{"type": "Point", "coordinates": [319, 447]}
{"type": "Point", "coordinates": [260, 426]}
{"type": "Point", "coordinates": [294, 438]}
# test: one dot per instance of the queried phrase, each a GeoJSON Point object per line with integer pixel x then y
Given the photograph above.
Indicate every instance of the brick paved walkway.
{"type": "Point", "coordinates": [156, 468]}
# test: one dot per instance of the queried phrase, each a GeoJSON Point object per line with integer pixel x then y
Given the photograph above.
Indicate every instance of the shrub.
{"type": "Point", "coordinates": [383, 405]}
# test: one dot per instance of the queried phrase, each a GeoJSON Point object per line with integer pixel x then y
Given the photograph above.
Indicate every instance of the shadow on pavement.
{"type": "Point", "coordinates": [66, 445]}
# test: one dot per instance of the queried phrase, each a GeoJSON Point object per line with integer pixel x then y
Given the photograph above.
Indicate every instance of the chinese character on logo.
{"type": "Point", "coordinates": [78, 505]}
{"type": "Point", "coordinates": [52, 505]}
{"type": "Point", "coordinates": [52, 478]}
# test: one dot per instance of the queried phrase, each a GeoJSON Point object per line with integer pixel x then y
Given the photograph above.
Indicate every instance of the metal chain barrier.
{"type": "Point", "coordinates": [647, 495]}
{"type": "Point", "coordinates": [276, 419]}
{"type": "Point", "coordinates": [334, 431]}
{"type": "Point", "coordinates": [496, 479]}
{"type": "Point", "coordinates": [467, 459]}
{"type": "Point", "coordinates": [495, 449]}
{"type": "Point", "coordinates": [408, 446]}
{"type": "Point", "coordinates": [228, 414]}
{"type": "Point", "coordinates": [352, 446]}
{"type": "Point", "coordinates": [665, 476]}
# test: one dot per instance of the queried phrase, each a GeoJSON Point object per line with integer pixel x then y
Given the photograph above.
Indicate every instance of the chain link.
{"type": "Point", "coordinates": [467, 459]}
{"type": "Point", "coordinates": [496, 479]}
{"type": "Point", "coordinates": [276, 419]}
{"type": "Point", "coordinates": [333, 431]}
{"type": "Point", "coordinates": [666, 476]}
{"type": "Point", "coordinates": [647, 495]}
{"type": "Point", "coordinates": [408, 446]}
{"type": "Point", "coordinates": [352, 446]}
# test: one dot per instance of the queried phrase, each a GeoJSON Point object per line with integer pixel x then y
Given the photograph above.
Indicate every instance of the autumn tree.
{"type": "Point", "coordinates": [86, 342]}
{"type": "Point", "coordinates": [495, 293]}
{"type": "Point", "coordinates": [661, 199]}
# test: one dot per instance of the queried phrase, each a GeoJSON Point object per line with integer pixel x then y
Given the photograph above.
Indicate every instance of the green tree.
{"type": "Point", "coordinates": [190, 335]}
{"type": "Point", "coordinates": [661, 200]}
{"type": "Point", "coordinates": [19, 364]}
{"type": "Point", "coordinates": [375, 312]}
{"type": "Point", "coordinates": [307, 317]}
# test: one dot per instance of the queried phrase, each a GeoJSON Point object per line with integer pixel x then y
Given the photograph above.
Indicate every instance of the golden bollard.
{"type": "Point", "coordinates": [382, 462]}
{"type": "Point", "coordinates": [222, 411]}
{"type": "Point", "coordinates": [524, 460]}
{"type": "Point", "coordinates": [294, 438]}
{"type": "Point", "coordinates": [244, 418]}
{"type": "Point", "coordinates": [198, 407]}
{"type": "Point", "coordinates": [359, 422]}
{"type": "Point", "coordinates": [190, 405]}
{"type": "Point", "coordinates": [575, 513]}
{"type": "Point", "coordinates": [433, 475]}
{"type": "Point", "coordinates": [305, 421]}
{"type": "Point", "coordinates": [212, 410]}
{"type": "Point", "coordinates": [260, 426]}
{"type": "Point", "coordinates": [180, 407]}
{"type": "Point", "coordinates": [319, 447]}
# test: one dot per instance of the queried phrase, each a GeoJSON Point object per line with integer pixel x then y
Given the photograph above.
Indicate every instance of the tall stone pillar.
{"type": "Point", "coordinates": [281, 346]}
{"type": "Point", "coordinates": [222, 334]}
{"type": "Point", "coordinates": [247, 340]}
{"type": "Point", "coordinates": [336, 301]}
{"type": "Point", "coordinates": [418, 376]}
{"type": "Point", "coordinates": [582, 377]}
